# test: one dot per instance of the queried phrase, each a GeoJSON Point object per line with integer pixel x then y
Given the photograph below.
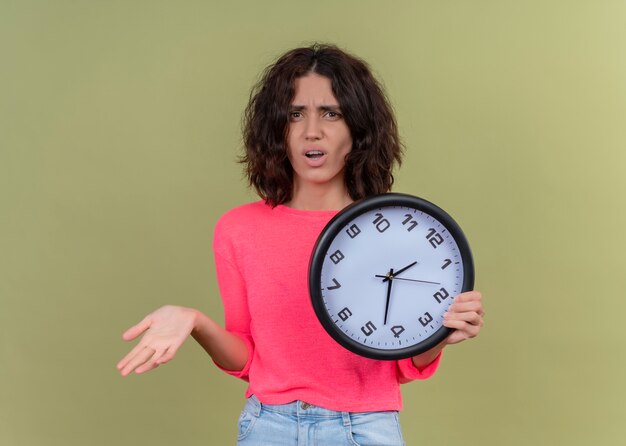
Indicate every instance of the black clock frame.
{"type": "Point", "coordinates": [341, 221]}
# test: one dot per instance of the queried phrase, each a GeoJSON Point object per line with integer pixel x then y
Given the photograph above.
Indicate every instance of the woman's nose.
{"type": "Point", "coordinates": [313, 128]}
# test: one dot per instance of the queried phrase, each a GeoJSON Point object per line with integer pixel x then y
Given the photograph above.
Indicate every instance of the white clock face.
{"type": "Point", "coordinates": [388, 277]}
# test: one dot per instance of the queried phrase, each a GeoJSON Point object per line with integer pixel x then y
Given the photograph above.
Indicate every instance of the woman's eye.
{"type": "Point", "coordinates": [295, 115]}
{"type": "Point", "coordinates": [333, 115]}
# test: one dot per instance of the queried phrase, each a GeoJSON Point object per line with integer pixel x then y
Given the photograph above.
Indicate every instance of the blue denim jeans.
{"type": "Point", "coordinates": [299, 423]}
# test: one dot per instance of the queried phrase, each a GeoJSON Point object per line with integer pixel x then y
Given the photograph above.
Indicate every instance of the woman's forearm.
{"type": "Point", "coordinates": [228, 350]}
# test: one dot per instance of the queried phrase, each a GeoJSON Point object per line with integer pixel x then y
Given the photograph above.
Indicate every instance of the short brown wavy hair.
{"type": "Point", "coordinates": [376, 146]}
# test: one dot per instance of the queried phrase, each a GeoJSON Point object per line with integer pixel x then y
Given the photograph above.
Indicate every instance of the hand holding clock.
{"type": "Point", "coordinates": [465, 315]}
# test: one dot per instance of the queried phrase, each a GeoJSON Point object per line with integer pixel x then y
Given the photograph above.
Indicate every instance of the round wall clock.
{"type": "Point", "coordinates": [383, 272]}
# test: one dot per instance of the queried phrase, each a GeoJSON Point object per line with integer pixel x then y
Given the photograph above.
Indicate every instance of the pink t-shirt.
{"type": "Point", "coordinates": [262, 258]}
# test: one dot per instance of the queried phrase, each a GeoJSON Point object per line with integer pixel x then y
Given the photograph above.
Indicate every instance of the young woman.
{"type": "Point", "coordinates": [319, 134]}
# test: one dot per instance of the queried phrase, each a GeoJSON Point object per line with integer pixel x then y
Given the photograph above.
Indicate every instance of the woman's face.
{"type": "Point", "coordinates": [318, 139]}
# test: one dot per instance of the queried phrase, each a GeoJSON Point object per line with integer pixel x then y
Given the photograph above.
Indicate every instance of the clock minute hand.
{"type": "Point", "coordinates": [389, 275]}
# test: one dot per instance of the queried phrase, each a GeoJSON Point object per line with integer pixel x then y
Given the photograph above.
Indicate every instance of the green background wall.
{"type": "Point", "coordinates": [119, 130]}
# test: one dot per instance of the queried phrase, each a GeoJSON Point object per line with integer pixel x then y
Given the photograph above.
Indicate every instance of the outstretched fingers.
{"type": "Point", "coordinates": [167, 356]}
{"type": "Point", "coordinates": [152, 362]}
{"type": "Point", "coordinates": [142, 355]}
{"type": "Point", "coordinates": [130, 356]}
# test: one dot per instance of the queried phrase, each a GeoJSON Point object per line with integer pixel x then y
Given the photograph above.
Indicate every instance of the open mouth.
{"type": "Point", "coordinates": [314, 154]}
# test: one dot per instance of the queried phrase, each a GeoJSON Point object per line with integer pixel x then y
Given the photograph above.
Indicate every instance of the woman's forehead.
{"type": "Point", "coordinates": [313, 89]}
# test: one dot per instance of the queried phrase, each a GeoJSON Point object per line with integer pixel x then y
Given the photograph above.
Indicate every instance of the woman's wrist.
{"type": "Point", "coordinates": [199, 322]}
{"type": "Point", "coordinates": [423, 359]}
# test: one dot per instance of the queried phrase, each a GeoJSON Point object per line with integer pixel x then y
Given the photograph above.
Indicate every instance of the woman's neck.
{"type": "Point", "coordinates": [319, 198]}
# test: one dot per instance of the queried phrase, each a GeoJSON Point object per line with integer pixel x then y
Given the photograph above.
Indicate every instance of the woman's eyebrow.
{"type": "Point", "coordinates": [296, 107]}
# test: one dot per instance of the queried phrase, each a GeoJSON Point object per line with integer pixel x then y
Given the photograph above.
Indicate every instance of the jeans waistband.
{"type": "Point", "coordinates": [299, 408]}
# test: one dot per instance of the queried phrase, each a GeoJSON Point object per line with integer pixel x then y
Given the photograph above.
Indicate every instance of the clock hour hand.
{"type": "Point", "coordinates": [393, 275]}
{"type": "Point", "coordinates": [389, 275]}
